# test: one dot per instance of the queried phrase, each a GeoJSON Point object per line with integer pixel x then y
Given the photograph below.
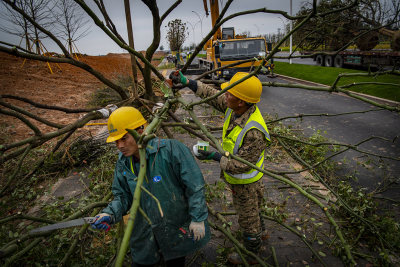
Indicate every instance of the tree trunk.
{"type": "Point", "coordinates": [132, 45]}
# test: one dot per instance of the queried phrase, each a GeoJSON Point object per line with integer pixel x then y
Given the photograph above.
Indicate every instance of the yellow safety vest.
{"type": "Point", "coordinates": [234, 140]}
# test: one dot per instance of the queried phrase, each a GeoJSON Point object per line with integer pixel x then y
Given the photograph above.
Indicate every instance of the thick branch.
{"type": "Point", "coordinates": [23, 119]}
{"type": "Point", "coordinates": [109, 22]}
{"type": "Point", "coordinates": [43, 106]}
{"type": "Point", "coordinates": [36, 141]}
{"type": "Point", "coordinates": [26, 113]}
{"type": "Point", "coordinates": [174, 5]}
{"type": "Point", "coordinates": [101, 25]}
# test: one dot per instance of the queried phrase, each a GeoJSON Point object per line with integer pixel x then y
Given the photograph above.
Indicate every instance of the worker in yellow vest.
{"type": "Point", "coordinates": [245, 134]}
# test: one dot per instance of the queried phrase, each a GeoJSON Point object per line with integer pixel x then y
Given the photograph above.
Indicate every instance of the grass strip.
{"type": "Point", "coordinates": [327, 75]}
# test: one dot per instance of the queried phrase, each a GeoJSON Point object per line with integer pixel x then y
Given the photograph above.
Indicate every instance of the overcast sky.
{"type": "Point", "coordinates": [189, 11]}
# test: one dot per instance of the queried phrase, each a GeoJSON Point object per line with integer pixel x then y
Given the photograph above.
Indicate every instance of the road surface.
{"type": "Point", "coordinates": [349, 129]}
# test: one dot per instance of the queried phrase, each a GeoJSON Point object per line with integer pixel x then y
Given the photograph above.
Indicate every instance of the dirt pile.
{"type": "Point", "coordinates": [68, 86]}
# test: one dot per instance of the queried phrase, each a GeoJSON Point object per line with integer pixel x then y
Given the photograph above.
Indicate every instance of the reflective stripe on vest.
{"type": "Point", "coordinates": [245, 129]}
{"type": "Point", "coordinates": [233, 141]}
{"type": "Point", "coordinates": [253, 172]}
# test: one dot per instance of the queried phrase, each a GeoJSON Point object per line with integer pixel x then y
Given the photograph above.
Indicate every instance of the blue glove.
{"type": "Point", "coordinates": [103, 221]}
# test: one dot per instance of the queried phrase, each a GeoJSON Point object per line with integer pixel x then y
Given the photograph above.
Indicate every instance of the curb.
{"type": "Point", "coordinates": [375, 98]}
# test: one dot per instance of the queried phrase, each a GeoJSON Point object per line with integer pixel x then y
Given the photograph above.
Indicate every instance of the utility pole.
{"type": "Point", "coordinates": [291, 26]}
{"type": "Point", "coordinates": [131, 44]}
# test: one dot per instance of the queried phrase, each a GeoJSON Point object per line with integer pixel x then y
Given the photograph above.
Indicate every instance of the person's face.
{"type": "Point", "coordinates": [127, 145]}
{"type": "Point", "coordinates": [232, 101]}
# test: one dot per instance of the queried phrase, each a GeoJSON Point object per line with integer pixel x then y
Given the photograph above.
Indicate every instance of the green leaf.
{"type": "Point", "coordinates": [321, 254]}
{"type": "Point", "coordinates": [298, 228]}
{"type": "Point", "coordinates": [165, 89]}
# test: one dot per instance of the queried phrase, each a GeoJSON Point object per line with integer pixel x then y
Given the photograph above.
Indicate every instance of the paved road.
{"type": "Point", "coordinates": [305, 61]}
{"type": "Point", "coordinates": [349, 129]}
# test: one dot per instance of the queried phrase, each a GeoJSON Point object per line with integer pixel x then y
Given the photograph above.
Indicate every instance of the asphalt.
{"type": "Point", "coordinates": [368, 171]}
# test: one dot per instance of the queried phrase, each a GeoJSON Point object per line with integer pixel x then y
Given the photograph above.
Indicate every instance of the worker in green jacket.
{"type": "Point", "coordinates": [174, 178]}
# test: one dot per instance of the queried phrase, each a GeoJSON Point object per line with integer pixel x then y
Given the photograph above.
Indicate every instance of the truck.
{"type": "Point", "coordinates": [225, 47]}
{"type": "Point", "coordinates": [364, 55]}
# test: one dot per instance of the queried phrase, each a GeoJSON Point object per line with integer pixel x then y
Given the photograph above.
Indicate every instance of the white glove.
{"type": "Point", "coordinates": [198, 230]}
{"type": "Point", "coordinates": [107, 110]}
{"type": "Point", "coordinates": [157, 106]}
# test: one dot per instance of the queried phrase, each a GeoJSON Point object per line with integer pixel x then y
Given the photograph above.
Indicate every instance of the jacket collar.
{"type": "Point", "coordinates": [242, 120]}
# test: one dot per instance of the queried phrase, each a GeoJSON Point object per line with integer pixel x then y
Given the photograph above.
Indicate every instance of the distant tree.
{"type": "Point", "coordinates": [17, 24]}
{"type": "Point", "coordinates": [336, 30]}
{"type": "Point", "coordinates": [176, 35]}
{"type": "Point", "coordinates": [71, 22]}
{"type": "Point", "coordinates": [161, 47]}
{"type": "Point", "coordinates": [14, 23]}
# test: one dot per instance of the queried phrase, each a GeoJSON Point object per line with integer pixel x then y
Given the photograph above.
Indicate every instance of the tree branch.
{"type": "Point", "coordinates": [26, 113]}
{"type": "Point", "coordinates": [43, 106]}
{"type": "Point", "coordinates": [23, 119]}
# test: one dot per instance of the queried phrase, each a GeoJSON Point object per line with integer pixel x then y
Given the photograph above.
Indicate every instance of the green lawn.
{"type": "Point", "coordinates": [327, 75]}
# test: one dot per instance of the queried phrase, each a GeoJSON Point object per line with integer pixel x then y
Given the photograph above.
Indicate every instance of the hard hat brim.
{"type": "Point", "coordinates": [224, 85]}
{"type": "Point", "coordinates": [238, 95]}
{"type": "Point", "coordinates": [111, 139]}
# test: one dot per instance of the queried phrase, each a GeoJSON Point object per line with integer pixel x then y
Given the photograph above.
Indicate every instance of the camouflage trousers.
{"type": "Point", "coordinates": [248, 200]}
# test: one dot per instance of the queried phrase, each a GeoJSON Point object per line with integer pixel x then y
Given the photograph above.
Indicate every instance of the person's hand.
{"type": "Point", "coordinates": [197, 229]}
{"type": "Point", "coordinates": [102, 222]}
{"type": "Point", "coordinates": [208, 155]}
{"type": "Point", "coordinates": [178, 78]}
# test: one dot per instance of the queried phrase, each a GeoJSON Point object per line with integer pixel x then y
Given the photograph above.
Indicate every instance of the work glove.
{"type": "Point", "coordinates": [103, 221]}
{"type": "Point", "coordinates": [178, 78]}
{"type": "Point", "coordinates": [209, 155]}
{"type": "Point", "coordinates": [197, 229]}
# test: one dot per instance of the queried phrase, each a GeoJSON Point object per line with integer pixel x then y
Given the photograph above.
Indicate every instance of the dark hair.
{"type": "Point", "coordinates": [140, 128]}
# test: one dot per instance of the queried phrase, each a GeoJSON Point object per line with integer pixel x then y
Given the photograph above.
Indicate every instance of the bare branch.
{"type": "Point", "coordinates": [43, 106]}
{"type": "Point", "coordinates": [174, 5]}
{"type": "Point", "coordinates": [300, 116]}
{"type": "Point", "coordinates": [36, 141]}
{"type": "Point", "coordinates": [109, 22]}
{"type": "Point", "coordinates": [26, 113]}
{"type": "Point", "coordinates": [23, 119]}
{"type": "Point", "coordinates": [100, 24]}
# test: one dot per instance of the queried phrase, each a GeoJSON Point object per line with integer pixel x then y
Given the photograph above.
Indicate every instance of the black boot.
{"type": "Point", "coordinates": [252, 242]}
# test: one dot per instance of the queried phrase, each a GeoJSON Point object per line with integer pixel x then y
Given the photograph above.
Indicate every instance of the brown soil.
{"type": "Point", "coordinates": [68, 86]}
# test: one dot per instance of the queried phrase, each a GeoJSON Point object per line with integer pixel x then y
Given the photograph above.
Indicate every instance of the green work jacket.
{"type": "Point", "coordinates": [175, 179]}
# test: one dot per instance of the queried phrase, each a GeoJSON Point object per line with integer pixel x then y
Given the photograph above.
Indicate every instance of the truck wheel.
{"type": "Point", "coordinates": [320, 60]}
{"type": "Point", "coordinates": [329, 61]}
{"type": "Point", "coordinates": [338, 61]}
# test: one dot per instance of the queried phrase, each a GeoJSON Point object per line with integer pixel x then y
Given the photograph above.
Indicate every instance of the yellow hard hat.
{"type": "Point", "coordinates": [121, 119]}
{"type": "Point", "coordinates": [249, 90]}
